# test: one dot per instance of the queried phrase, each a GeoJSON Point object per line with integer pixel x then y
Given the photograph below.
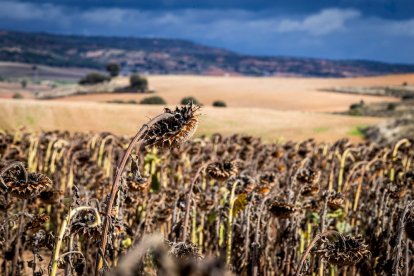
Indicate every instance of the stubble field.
{"type": "Point", "coordinates": [273, 108]}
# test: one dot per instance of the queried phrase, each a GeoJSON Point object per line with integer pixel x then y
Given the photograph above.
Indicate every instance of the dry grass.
{"type": "Point", "coordinates": [274, 108]}
{"type": "Point", "coordinates": [276, 93]}
{"type": "Point", "coordinates": [125, 119]}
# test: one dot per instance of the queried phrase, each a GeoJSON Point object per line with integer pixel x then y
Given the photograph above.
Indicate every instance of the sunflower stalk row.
{"type": "Point", "coordinates": [211, 205]}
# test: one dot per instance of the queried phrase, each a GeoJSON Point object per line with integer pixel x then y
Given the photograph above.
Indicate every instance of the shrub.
{"type": "Point", "coordinates": [391, 106]}
{"type": "Point", "coordinates": [17, 96]}
{"type": "Point", "coordinates": [359, 105]}
{"type": "Point", "coordinates": [357, 109]}
{"type": "Point", "coordinates": [117, 101]}
{"type": "Point", "coordinates": [131, 102]}
{"type": "Point", "coordinates": [188, 100]}
{"type": "Point", "coordinates": [138, 83]}
{"type": "Point", "coordinates": [407, 97]}
{"type": "Point", "coordinates": [153, 100]}
{"type": "Point", "coordinates": [93, 78]}
{"type": "Point", "coordinates": [219, 104]}
{"type": "Point", "coordinates": [23, 83]}
{"type": "Point", "coordinates": [113, 69]}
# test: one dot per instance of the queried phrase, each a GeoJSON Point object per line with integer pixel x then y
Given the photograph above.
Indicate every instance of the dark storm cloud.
{"type": "Point", "coordinates": [392, 9]}
{"type": "Point", "coordinates": [346, 30]}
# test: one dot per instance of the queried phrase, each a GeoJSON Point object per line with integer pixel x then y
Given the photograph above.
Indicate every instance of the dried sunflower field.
{"type": "Point", "coordinates": [165, 204]}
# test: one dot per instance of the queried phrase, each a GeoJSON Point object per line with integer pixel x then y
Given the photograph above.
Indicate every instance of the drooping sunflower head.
{"type": "Point", "coordinates": [409, 226]}
{"type": "Point", "coordinates": [246, 184]}
{"type": "Point", "coordinates": [141, 184]}
{"type": "Point", "coordinates": [36, 222]}
{"type": "Point", "coordinates": [175, 128]}
{"type": "Point", "coordinates": [281, 209]}
{"type": "Point", "coordinates": [310, 190]}
{"type": "Point", "coordinates": [222, 170]}
{"type": "Point", "coordinates": [36, 183]}
{"type": "Point", "coordinates": [347, 250]}
{"type": "Point", "coordinates": [84, 225]}
{"type": "Point", "coordinates": [51, 196]}
{"type": "Point", "coordinates": [183, 251]}
{"type": "Point", "coordinates": [335, 200]}
{"type": "Point", "coordinates": [41, 239]}
{"type": "Point", "coordinates": [308, 176]}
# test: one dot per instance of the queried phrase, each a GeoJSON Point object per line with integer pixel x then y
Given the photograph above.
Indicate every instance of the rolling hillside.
{"type": "Point", "coordinates": [172, 56]}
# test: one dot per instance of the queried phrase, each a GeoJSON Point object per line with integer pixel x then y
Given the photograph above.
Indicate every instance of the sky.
{"type": "Point", "coordinates": [381, 30]}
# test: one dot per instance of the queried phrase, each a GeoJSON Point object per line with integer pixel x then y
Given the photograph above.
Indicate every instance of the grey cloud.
{"type": "Point", "coordinates": [324, 22]}
{"type": "Point", "coordinates": [332, 33]}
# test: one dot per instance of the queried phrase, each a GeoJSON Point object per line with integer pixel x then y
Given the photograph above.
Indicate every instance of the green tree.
{"type": "Point", "coordinates": [188, 100]}
{"type": "Point", "coordinates": [138, 83]}
{"type": "Point", "coordinates": [153, 100]}
{"type": "Point", "coordinates": [93, 78]}
{"type": "Point", "coordinates": [113, 69]}
{"type": "Point", "coordinates": [17, 96]}
{"type": "Point", "coordinates": [219, 104]}
{"type": "Point", "coordinates": [23, 83]}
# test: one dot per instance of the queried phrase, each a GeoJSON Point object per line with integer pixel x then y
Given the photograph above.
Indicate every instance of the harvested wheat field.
{"type": "Point", "coordinates": [7, 90]}
{"type": "Point", "coordinates": [124, 119]}
{"type": "Point", "coordinates": [282, 93]}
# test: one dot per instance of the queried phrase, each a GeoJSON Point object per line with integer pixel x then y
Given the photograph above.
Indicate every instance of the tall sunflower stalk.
{"type": "Point", "coordinates": [167, 130]}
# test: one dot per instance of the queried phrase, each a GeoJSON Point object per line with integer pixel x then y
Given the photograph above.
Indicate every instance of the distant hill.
{"type": "Point", "coordinates": [172, 56]}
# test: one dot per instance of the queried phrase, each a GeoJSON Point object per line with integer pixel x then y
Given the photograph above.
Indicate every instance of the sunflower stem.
{"type": "Point", "coordinates": [347, 153]}
{"type": "Point", "coordinates": [188, 203]}
{"type": "Point", "coordinates": [55, 257]}
{"type": "Point", "coordinates": [229, 224]}
{"type": "Point", "coordinates": [404, 142]}
{"type": "Point", "coordinates": [399, 238]}
{"type": "Point", "coordinates": [114, 190]}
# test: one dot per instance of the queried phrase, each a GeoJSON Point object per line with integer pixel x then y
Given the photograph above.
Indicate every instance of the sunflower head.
{"type": "Point", "coordinates": [310, 190]}
{"type": "Point", "coordinates": [140, 184]}
{"type": "Point", "coordinates": [36, 222]}
{"type": "Point", "coordinates": [335, 200]}
{"type": "Point", "coordinates": [267, 178]}
{"type": "Point", "coordinates": [174, 129]}
{"type": "Point", "coordinates": [397, 190]}
{"type": "Point", "coordinates": [183, 251]}
{"type": "Point", "coordinates": [51, 196]}
{"type": "Point", "coordinates": [266, 182]}
{"type": "Point", "coordinates": [246, 184]}
{"type": "Point", "coordinates": [222, 170]}
{"type": "Point", "coordinates": [281, 209]}
{"type": "Point", "coordinates": [308, 176]}
{"type": "Point", "coordinates": [41, 239]}
{"type": "Point", "coordinates": [347, 250]}
{"type": "Point", "coordinates": [409, 226]}
{"type": "Point", "coordinates": [82, 225]}
{"type": "Point", "coordinates": [206, 203]}
{"type": "Point", "coordinates": [36, 183]}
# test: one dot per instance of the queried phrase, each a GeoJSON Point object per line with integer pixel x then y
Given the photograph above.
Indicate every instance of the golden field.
{"type": "Point", "coordinates": [273, 108]}
{"type": "Point", "coordinates": [281, 93]}
{"type": "Point", "coordinates": [126, 119]}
